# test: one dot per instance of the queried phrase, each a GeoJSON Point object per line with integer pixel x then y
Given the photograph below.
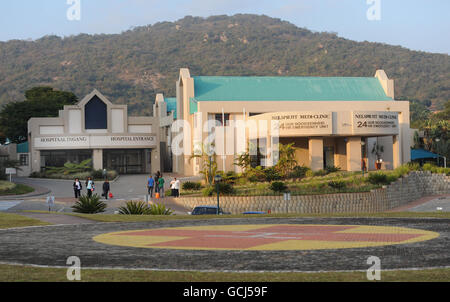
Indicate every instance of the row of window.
{"type": "Point", "coordinates": [23, 159]}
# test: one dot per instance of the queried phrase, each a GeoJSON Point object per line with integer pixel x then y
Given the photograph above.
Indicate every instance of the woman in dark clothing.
{"type": "Point", "coordinates": [77, 188]}
{"type": "Point", "coordinates": [106, 188]}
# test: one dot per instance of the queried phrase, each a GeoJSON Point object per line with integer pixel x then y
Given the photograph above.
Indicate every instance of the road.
{"type": "Point", "coordinates": [125, 188]}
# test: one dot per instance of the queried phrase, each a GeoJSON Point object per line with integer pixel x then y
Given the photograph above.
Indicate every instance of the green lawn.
{"type": "Point", "coordinates": [9, 273]}
{"type": "Point", "coordinates": [15, 221]}
{"type": "Point", "coordinates": [8, 188]}
{"type": "Point", "coordinates": [142, 218]}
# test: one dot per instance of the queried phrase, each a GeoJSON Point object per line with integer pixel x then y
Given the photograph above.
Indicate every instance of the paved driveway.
{"type": "Point", "coordinates": [126, 187]}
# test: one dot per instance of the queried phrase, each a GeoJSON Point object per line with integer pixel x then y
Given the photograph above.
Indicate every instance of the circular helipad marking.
{"type": "Point", "coordinates": [267, 237]}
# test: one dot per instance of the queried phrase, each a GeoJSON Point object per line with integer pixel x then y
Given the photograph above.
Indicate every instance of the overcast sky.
{"type": "Point", "coordinates": [415, 24]}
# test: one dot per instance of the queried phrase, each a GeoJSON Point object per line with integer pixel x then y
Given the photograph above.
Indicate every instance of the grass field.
{"type": "Point", "coordinates": [16, 221]}
{"type": "Point", "coordinates": [10, 273]}
{"type": "Point", "coordinates": [8, 188]}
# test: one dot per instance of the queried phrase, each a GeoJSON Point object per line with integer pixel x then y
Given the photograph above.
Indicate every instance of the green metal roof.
{"type": "Point", "coordinates": [213, 88]}
{"type": "Point", "coordinates": [22, 148]}
{"type": "Point", "coordinates": [171, 106]}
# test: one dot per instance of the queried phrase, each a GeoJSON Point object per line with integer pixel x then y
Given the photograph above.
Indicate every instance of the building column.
{"type": "Point", "coordinates": [354, 153]}
{"type": "Point", "coordinates": [35, 160]}
{"type": "Point", "coordinates": [156, 162]}
{"type": "Point", "coordinates": [97, 155]}
{"type": "Point", "coordinates": [315, 148]}
{"type": "Point", "coordinates": [396, 154]}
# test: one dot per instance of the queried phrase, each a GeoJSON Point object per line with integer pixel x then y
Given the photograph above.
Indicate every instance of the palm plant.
{"type": "Point", "coordinates": [159, 209]}
{"type": "Point", "coordinates": [209, 162]}
{"type": "Point", "coordinates": [287, 161]}
{"type": "Point", "coordinates": [89, 205]}
{"type": "Point", "coordinates": [134, 208]}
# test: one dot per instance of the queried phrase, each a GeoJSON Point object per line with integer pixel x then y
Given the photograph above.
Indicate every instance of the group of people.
{"type": "Point", "coordinates": [90, 187]}
{"type": "Point", "coordinates": [157, 183]}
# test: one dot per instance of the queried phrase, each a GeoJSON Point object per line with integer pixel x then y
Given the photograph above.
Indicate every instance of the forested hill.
{"type": "Point", "coordinates": [130, 68]}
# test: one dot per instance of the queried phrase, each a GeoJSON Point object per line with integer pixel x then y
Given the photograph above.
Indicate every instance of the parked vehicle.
{"type": "Point", "coordinates": [207, 210]}
{"type": "Point", "coordinates": [254, 213]}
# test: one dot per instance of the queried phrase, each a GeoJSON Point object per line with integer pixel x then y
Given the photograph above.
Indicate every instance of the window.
{"type": "Point", "coordinates": [95, 113]}
{"type": "Point", "coordinates": [219, 117]}
{"type": "Point", "coordinates": [23, 159]}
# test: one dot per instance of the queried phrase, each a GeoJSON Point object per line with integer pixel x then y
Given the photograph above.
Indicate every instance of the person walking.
{"type": "Point", "coordinates": [161, 186]}
{"type": "Point", "coordinates": [177, 187]}
{"type": "Point", "coordinates": [156, 183]}
{"type": "Point", "coordinates": [150, 186]}
{"type": "Point", "coordinates": [106, 188]}
{"type": "Point", "coordinates": [77, 188]}
{"type": "Point", "coordinates": [90, 186]}
{"type": "Point", "coordinates": [172, 187]}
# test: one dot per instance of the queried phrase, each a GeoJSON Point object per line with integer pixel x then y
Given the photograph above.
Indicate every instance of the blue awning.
{"type": "Point", "coordinates": [420, 153]}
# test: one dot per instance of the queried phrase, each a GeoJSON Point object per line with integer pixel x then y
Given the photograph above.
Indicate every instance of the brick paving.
{"type": "Point", "coordinates": [52, 245]}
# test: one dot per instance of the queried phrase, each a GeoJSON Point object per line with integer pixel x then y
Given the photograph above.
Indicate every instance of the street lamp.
{"type": "Point", "coordinates": [437, 140]}
{"type": "Point", "coordinates": [217, 180]}
{"type": "Point", "coordinates": [363, 162]}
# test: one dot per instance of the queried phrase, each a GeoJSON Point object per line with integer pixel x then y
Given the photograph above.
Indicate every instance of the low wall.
{"type": "Point", "coordinates": [406, 189]}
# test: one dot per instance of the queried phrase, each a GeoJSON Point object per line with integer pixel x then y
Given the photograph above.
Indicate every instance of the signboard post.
{"type": "Point", "coordinates": [11, 171]}
{"type": "Point", "coordinates": [287, 198]}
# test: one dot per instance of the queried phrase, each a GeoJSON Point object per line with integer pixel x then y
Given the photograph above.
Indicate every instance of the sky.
{"type": "Point", "coordinates": [415, 24]}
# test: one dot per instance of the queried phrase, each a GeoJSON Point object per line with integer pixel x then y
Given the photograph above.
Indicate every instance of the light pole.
{"type": "Point", "coordinates": [437, 140]}
{"type": "Point", "coordinates": [217, 180]}
{"type": "Point", "coordinates": [363, 162]}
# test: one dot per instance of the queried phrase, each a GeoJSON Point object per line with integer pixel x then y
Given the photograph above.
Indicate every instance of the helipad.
{"type": "Point", "coordinates": [266, 237]}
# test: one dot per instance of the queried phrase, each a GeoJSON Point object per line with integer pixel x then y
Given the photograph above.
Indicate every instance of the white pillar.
{"type": "Point", "coordinates": [97, 155]}
{"type": "Point", "coordinates": [396, 154]}
{"type": "Point", "coordinates": [354, 154]}
{"type": "Point", "coordinates": [315, 148]}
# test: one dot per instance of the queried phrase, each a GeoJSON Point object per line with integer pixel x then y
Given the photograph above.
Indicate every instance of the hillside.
{"type": "Point", "coordinates": [130, 68]}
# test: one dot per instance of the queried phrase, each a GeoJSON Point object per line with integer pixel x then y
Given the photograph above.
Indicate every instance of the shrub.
{"type": "Point", "coordinates": [89, 205]}
{"type": "Point", "coordinates": [208, 191]}
{"type": "Point", "coordinates": [189, 185]}
{"type": "Point", "coordinates": [337, 184]}
{"type": "Point", "coordinates": [378, 178]}
{"type": "Point", "coordinates": [97, 174]}
{"type": "Point", "coordinates": [320, 173]}
{"type": "Point", "coordinates": [278, 186]}
{"type": "Point", "coordinates": [230, 177]}
{"type": "Point", "coordinates": [134, 208]}
{"type": "Point", "coordinates": [271, 174]}
{"type": "Point", "coordinates": [224, 189]}
{"type": "Point", "coordinates": [159, 209]}
{"type": "Point", "coordinates": [299, 172]}
{"type": "Point", "coordinates": [332, 169]}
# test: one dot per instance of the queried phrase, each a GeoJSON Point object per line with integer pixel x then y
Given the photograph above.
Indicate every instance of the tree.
{"type": "Point", "coordinates": [209, 162]}
{"type": "Point", "coordinates": [39, 102]}
{"type": "Point", "coordinates": [287, 161]}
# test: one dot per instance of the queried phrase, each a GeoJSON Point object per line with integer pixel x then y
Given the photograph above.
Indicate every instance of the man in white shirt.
{"type": "Point", "coordinates": [177, 187]}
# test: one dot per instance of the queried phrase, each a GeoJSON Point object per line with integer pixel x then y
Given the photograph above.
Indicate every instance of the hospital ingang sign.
{"type": "Point", "coordinates": [85, 142]}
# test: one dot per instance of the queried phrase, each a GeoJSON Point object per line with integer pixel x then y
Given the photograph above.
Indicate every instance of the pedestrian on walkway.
{"type": "Point", "coordinates": [177, 187]}
{"type": "Point", "coordinates": [150, 186]}
{"type": "Point", "coordinates": [90, 186]}
{"type": "Point", "coordinates": [161, 186]}
{"type": "Point", "coordinates": [77, 188]}
{"type": "Point", "coordinates": [106, 188]}
{"type": "Point", "coordinates": [157, 175]}
{"type": "Point", "coordinates": [172, 187]}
